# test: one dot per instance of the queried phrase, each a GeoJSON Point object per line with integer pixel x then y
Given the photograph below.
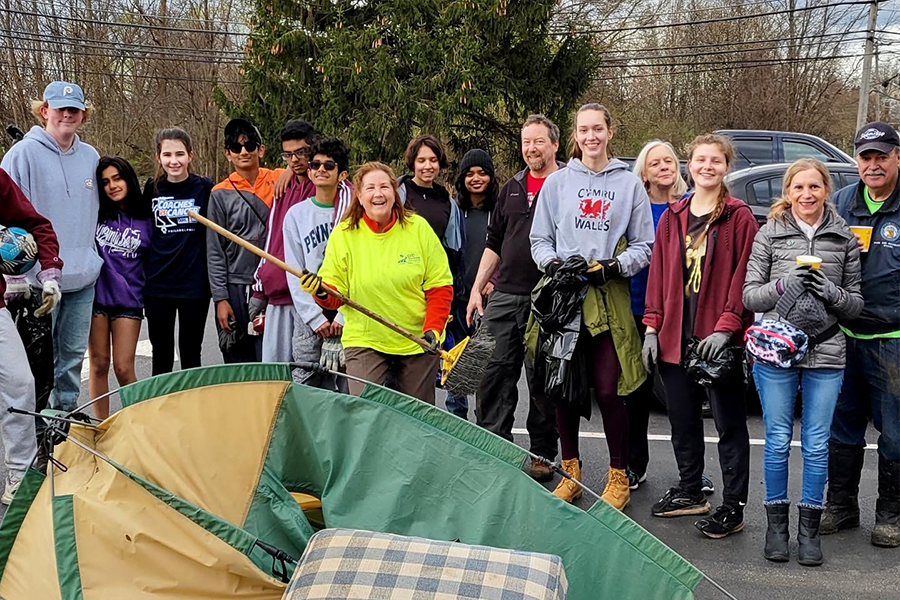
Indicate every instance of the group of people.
{"type": "Point", "coordinates": [672, 279]}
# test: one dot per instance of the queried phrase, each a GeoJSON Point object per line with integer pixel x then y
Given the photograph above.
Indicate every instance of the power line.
{"type": "Point", "coordinates": [716, 19]}
{"type": "Point", "coordinates": [127, 75]}
{"type": "Point", "coordinates": [27, 13]}
{"type": "Point", "coordinates": [150, 48]}
{"type": "Point", "coordinates": [738, 62]}
{"type": "Point", "coordinates": [722, 52]}
{"type": "Point", "coordinates": [745, 42]}
{"type": "Point", "coordinates": [142, 15]}
{"type": "Point", "coordinates": [189, 60]}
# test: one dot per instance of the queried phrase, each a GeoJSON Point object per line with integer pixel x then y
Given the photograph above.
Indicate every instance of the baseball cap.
{"type": "Point", "coordinates": [237, 127]}
{"type": "Point", "coordinates": [877, 135]}
{"type": "Point", "coordinates": [62, 94]}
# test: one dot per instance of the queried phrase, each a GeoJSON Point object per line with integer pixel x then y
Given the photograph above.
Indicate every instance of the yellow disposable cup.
{"type": "Point", "coordinates": [865, 235]}
{"type": "Point", "coordinates": [808, 259]}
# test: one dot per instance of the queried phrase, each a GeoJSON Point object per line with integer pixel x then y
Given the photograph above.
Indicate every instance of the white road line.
{"type": "Point", "coordinates": [654, 437]}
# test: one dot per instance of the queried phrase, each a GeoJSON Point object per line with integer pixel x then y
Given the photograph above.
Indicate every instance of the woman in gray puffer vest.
{"type": "Point", "coordinates": [802, 222]}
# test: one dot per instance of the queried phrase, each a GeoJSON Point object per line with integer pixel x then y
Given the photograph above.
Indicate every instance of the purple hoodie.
{"type": "Point", "coordinates": [123, 243]}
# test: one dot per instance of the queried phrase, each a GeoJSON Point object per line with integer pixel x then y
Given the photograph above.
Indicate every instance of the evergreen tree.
{"type": "Point", "coordinates": [379, 72]}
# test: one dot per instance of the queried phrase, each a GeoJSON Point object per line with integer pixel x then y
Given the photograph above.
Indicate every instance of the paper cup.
{"type": "Point", "coordinates": [808, 259]}
{"type": "Point", "coordinates": [864, 234]}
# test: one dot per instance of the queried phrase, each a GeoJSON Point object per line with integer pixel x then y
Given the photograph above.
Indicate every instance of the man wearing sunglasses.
{"type": "Point", "coordinates": [307, 227]}
{"type": "Point", "coordinates": [240, 204]}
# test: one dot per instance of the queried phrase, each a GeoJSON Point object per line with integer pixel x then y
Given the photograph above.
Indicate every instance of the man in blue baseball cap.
{"type": "Point", "coordinates": [57, 173]}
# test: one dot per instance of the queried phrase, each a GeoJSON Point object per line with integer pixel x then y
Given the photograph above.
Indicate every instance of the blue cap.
{"type": "Point", "coordinates": [62, 94]}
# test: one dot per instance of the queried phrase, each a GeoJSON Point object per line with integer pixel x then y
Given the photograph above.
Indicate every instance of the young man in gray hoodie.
{"type": "Point", "coordinates": [56, 171]}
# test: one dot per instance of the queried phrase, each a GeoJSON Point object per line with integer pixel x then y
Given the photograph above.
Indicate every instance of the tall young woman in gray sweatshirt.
{"type": "Point", "coordinates": [586, 209]}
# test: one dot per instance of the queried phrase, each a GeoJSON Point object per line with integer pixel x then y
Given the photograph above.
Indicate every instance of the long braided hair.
{"type": "Point", "coordinates": [727, 148]}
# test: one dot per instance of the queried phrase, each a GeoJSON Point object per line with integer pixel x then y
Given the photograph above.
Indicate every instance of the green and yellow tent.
{"type": "Point", "coordinates": [195, 488]}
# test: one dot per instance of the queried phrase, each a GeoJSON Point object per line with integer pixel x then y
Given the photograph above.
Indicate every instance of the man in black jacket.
{"type": "Point", "coordinates": [508, 270]}
{"type": "Point", "coordinates": [872, 377]}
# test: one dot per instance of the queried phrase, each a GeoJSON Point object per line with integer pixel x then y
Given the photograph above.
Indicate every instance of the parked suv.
{"type": "Point", "coordinates": [759, 186]}
{"type": "Point", "coordinates": [754, 147]}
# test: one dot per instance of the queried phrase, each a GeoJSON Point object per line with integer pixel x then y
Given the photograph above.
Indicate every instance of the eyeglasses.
{"type": "Point", "coordinates": [295, 154]}
{"type": "Point", "coordinates": [235, 147]}
{"type": "Point", "coordinates": [329, 165]}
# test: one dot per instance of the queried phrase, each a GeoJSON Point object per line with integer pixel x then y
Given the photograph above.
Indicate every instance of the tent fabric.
{"type": "Point", "coordinates": [206, 462]}
{"type": "Point", "coordinates": [347, 563]}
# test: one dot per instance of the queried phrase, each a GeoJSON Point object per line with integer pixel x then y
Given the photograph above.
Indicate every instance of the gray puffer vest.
{"type": "Point", "coordinates": [774, 254]}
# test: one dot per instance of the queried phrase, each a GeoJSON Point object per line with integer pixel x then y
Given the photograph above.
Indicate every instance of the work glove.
{"type": "Point", "coordinates": [433, 340]}
{"type": "Point", "coordinates": [49, 280]}
{"type": "Point", "coordinates": [311, 283]}
{"type": "Point", "coordinates": [601, 271]}
{"type": "Point", "coordinates": [712, 345]}
{"type": "Point", "coordinates": [332, 357]}
{"type": "Point", "coordinates": [17, 288]}
{"type": "Point", "coordinates": [650, 351]}
{"type": "Point", "coordinates": [817, 283]}
{"type": "Point", "coordinates": [796, 274]}
{"type": "Point", "coordinates": [552, 267]}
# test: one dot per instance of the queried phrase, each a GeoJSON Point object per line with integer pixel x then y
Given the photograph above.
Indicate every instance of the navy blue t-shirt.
{"type": "Point", "coordinates": [176, 266]}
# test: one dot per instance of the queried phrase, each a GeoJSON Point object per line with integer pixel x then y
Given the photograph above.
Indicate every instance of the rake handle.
{"type": "Point", "coordinates": [297, 273]}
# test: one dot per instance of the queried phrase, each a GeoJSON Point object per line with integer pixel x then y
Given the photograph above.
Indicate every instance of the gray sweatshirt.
{"type": "Point", "coordinates": [62, 187]}
{"type": "Point", "coordinates": [586, 212]}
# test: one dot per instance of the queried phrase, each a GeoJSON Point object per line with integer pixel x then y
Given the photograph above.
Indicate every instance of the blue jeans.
{"type": "Point", "coordinates": [778, 393]}
{"type": "Point", "coordinates": [458, 405]}
{"type": "Point", "coordinates": [71, 327]}
{"type": "Point", "coordinates": [871, 387]}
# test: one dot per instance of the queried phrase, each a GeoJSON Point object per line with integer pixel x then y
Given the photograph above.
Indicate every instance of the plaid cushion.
{"type": "Point", "coordinates": [347, 563]}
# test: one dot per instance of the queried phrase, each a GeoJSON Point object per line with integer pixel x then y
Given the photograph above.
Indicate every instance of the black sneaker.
{"type": "Point", "coordinates": [635, 481]}
{"type": "Point", "coordinates": [677, 503]}
{"type": "Point", "coordinates": [707, 486]}
{"type": "Point", "coordinates": [724, 521]}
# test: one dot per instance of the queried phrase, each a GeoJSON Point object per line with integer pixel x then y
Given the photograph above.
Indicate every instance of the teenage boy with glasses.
{"type": "Point", "coordinates": [240, 204]}
{"type": "Point", "coordinates": [316, 332]}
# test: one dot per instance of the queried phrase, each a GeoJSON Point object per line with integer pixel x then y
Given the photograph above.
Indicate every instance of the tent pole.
{"type": "Point", "coordinates": [718, 587]}
{"type": "Point", "coordinates": [562, 473]}
{"type": "Point", "coordinates": [91, 402]}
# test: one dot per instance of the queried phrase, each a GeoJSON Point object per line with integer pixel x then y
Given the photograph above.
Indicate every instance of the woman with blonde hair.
{"type": "Point", "coordinates": [802, 222]}
{"type": "Point", "coordinates": [694, 291]}
{"type": "Point", "coordinates": [389, 260]}
{"type": "Point", "coordinates": [658, 169]}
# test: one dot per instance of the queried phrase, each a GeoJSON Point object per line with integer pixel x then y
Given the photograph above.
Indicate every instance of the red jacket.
{"type": "Point", "coordinates": [17, 211]}
{"type": "Point", "coordinates": [719, 304]}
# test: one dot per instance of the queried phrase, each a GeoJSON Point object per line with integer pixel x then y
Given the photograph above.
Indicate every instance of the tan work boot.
{"type": "Point", "coordinates": [617, 492]}
{"type": "Point", "coordinates": [567, 490]}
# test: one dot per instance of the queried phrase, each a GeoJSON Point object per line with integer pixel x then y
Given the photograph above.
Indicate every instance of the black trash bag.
{"type": "Point", "coordinates": [559, 361]}
{"type": "Point", "coordinates": [37, 337]}
{"type": "Point", "coordinates": [726, 367]}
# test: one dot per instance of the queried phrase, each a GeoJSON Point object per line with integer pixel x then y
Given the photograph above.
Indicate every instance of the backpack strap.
{"type": "Point", "coordinates": [824, 336]}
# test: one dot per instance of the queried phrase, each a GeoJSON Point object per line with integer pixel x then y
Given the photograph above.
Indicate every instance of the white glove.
{"type": "Point", "coordinates": [251, 330]}
{"type": "Point", "coordinates": [332, 357]}
{"type": "Point", "coordinates": [51, 298]}
{"type": "Point", "coordinates": [16, 287]}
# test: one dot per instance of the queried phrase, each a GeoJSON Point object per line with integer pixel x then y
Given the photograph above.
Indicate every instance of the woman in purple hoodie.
{"type": "Point", "coordinates": [123, 241]}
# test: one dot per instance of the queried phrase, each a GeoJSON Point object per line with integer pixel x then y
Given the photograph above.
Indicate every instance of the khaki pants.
{"type": "Point", "coordinates": [415, 373]}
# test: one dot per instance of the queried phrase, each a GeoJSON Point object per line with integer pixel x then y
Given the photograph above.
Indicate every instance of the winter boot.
{"type": "Point", "coordinates": [566, 489]}
{"type": "Point", "coordinates": [617, 492]}
{"type": "Point", "coordinates": [809, 552]}
{"type": "Point", "coordinates": [777, 535]}
{"type": "Point", "coordinates": [887, 508]}
{"type": "Point", "coordinates": [841, 505]}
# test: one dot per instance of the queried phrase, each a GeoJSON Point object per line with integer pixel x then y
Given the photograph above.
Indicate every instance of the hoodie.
{"type": "Point", "coordinates": [584, 212]}
{"type": "Point", "coordinates": [62, 188]}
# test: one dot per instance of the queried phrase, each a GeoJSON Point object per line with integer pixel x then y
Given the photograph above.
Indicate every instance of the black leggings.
{"type": "Point", "coordinates": [161, 313]}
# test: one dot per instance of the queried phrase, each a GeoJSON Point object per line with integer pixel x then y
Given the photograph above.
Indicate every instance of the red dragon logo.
{"type": "Point", "coordinates": [594, 209]}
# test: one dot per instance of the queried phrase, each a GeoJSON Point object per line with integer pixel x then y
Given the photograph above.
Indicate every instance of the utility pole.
{"type": "Point", "coordinates": [866, 79]}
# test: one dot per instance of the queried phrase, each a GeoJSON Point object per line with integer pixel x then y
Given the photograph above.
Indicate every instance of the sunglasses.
{"type": "Point", "coordinates": [329, 165]}
{"type": "Point", "coordinates": [235, 147]}
{"type": "Point", "coordinates": [295, 154]}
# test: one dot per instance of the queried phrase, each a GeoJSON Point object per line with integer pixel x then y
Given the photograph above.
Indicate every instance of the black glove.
{"type": "Point", "coordinates": [712, 345]}
{"type": "Point", "coordinates": [433, 342]}
{"type": "Point", "coordinates": [796, 274]}
{"type": "Point", "coordinates": [817, 283]}
{"type": "Point", "coordinates": [601, 271]}
{"type": "Point", "coordinates": [552, 267]}
{"type": "Point", "coordinates": [650, 351]}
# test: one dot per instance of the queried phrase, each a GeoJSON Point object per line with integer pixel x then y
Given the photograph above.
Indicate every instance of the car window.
{"type": "Point", "coordinates": [795, 150]}
{"type": "Point", "coordinates": [750, 152]}
{"type": "Point", "coordinates": [761, 192]}
{"type": "Point", "coordinates": [850, 178]}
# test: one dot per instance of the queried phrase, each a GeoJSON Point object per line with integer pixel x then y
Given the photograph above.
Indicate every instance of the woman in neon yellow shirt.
{"type": "Point", "coordinates": [389, 260]}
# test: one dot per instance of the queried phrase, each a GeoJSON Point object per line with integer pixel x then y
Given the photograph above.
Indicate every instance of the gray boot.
{"type": "Point", "coordinates": [887, 508]}
{"type": "Point", "coordinates": [841, 505]}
